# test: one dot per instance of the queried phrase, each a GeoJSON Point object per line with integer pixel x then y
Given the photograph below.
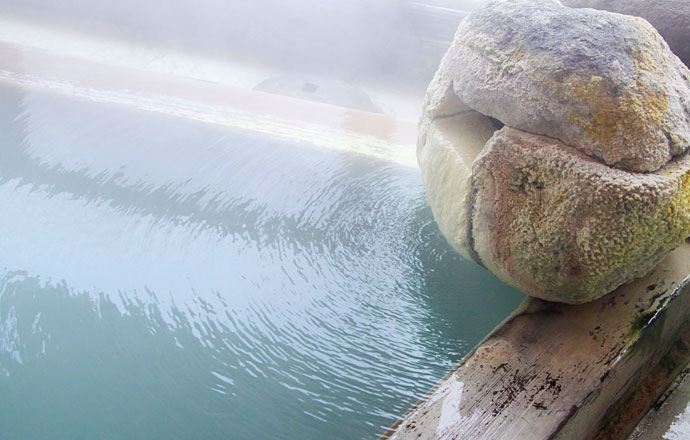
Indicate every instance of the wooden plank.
{"type": "Point", "coordinates": [554, 370]}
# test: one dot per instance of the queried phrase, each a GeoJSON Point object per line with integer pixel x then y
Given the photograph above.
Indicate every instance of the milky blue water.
{"type": "Point", "coordinates": [162, 279]}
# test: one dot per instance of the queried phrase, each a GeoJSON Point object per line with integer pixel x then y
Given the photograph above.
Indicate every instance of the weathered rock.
{"type": "Point", "coordinates": [670, 17]}
{"type": "Point", "coordinates": [604, 83]}
{"type": "Point", "coordinates": [588, 186]}
{"type": "Point", "coordinates": [446, 164]}
{"type": "Point", "coordinates": [562, 226]}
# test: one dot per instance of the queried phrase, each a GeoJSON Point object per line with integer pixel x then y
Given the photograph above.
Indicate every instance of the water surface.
{"type": "Point", "coordinates": [161, 278]}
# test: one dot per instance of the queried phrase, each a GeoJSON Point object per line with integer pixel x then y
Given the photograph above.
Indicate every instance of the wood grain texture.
{"type": "Point", "coordinates": [554, 370]}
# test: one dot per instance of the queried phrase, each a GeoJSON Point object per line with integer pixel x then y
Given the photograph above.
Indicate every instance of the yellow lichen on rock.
{"type": "Point", "coordinates": [612, 115]}
{"type": "Point", "coordinates": [580, 180]}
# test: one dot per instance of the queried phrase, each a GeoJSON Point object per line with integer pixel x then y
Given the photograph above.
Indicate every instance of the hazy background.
{"type": "Point", "coordinates": [398, 41]}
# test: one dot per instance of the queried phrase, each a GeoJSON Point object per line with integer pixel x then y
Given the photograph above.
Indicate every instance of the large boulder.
{"type": "Point", "coordinates": [670, 17]}
{"type": "Point", "coordinates": [605, 83]}
{"type": "Point", "coordinates": [553, 147]}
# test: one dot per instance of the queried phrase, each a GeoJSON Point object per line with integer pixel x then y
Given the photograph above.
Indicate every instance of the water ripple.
{"type": "Point", "coordinates": [228, 284]}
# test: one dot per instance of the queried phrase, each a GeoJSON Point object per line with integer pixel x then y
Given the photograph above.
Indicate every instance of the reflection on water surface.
{"type": "Point", "coordinates": [166, 279]}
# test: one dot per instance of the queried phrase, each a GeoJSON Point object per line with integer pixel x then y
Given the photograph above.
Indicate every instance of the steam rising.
{"type": "Point", "coordinates": [398, 41]}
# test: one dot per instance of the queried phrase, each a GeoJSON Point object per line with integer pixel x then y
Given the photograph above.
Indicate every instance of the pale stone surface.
{"type": "Point", "coordinates": [670, 17]}
{"type": "Point", "coordinates": [605, 83]}
{"type": "Point", "coordinates": [452, 143]}
{"type": "Point", "coordinates": [548, 203]}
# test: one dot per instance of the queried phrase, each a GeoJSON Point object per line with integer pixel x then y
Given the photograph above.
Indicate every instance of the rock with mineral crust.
{"type": "Point", "coordinates": [605, 83]}
{"type": "Point", "coordinates": [670, 17]}
{"type": "Point", "coordinates": [553, 147]}
{"type": "Point", "coordinates": [553, 221]}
